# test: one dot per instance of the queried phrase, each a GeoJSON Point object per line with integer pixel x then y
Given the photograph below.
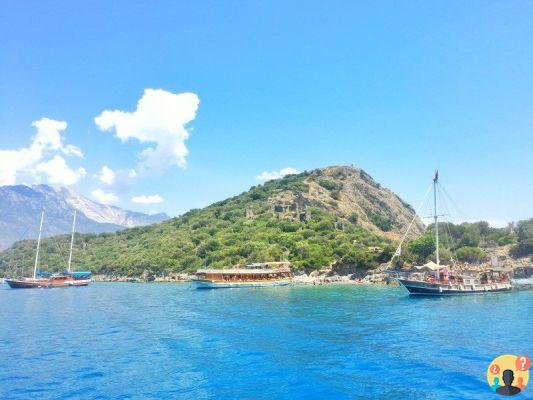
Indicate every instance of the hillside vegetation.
{"type": "Point", "coordinates": [333, 215]}
{"type": "Point", "coordinates": [466, 243]}
{"type": "Point", "coordinates": [311, 219]}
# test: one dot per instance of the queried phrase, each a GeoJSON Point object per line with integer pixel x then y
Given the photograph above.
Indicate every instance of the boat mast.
{"type": "Point", "coordinates": [435, 181]}
{"type": "Point", "coordinates": [38, 245]}
{"type": "Point", "coordinates": [72, 240]}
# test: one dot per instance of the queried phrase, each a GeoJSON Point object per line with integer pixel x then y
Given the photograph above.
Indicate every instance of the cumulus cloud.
{"type": "Point", "coordinates": [57, 171]}
{"type": "Point", "coordinates": [147, 199]}
{"type": "Point", "coordinates": [21, 165]}
{"type": "Point", "coordinates": [159, 121]}
{"type": "Point", "coordinates": [268, 176]}
{"type": "Point", "coordinates": [104, 197]}
{"type": "Point", "coordinates": [107, 175]}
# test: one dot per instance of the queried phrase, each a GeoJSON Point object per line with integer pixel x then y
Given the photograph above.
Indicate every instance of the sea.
{"type": "Point", "coordinates": [170, 341]}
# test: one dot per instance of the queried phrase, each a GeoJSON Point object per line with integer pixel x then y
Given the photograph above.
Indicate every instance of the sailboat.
{"type": "Point", "coordinates": [76, 278]}
{"type": "Point", "coordinates": [48, 280]}
{"type": "Point", "coordinates": [35, 281]}
{"type": "Point", "coordinates": [433, 278]}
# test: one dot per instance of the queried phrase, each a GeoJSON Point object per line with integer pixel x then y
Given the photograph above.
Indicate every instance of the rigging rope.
{"type": "Point", "coordinates": [453, 247]}
{"type": "Point", "coordinates": [452, 201]}
{"type": "Point", "coordinates": [398, 249]}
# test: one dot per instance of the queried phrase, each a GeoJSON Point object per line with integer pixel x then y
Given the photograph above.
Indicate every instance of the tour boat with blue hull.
{"type": "Point", "coordinates": [434, 279]}
{"type": "Point", "coordinates": [252, 275]}
{"type": "Point", "coordinates": [441, 289]}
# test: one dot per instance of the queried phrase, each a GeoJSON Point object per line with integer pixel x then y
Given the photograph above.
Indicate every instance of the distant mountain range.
{"type": "Point", "coordinates": [21, 206]}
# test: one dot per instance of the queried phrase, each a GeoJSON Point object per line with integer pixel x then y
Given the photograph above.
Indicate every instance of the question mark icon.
{"type": "Point", "coordinates": [522, 363]}
{"type": "Point", "coordinates": [495, 369]}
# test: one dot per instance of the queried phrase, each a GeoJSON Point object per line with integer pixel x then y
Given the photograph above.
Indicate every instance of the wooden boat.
{"type": "Point", "coordinates": [27, 283]}
{"type": "Point", "coordinates": [448, 281]}
{"type": "Point", "coordinates": [34, 282]}
{"type": "Point", "coordinates": [251, 275]}
{"type": "Point", "coordinates": [48, 280]}
{"type": "Point", "coordinates": [77, 278]}
{"type": "Point", "coordinates": [443, 280]}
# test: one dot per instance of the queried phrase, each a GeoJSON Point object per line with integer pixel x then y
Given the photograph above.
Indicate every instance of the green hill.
{"type": "Point", "coordinates": [334, 214]}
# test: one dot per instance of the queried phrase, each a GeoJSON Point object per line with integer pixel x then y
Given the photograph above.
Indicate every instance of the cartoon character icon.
{"type": "Point", "coordinates": [508, 374]}
{"type": "Point", "coordinates": [508, 389]}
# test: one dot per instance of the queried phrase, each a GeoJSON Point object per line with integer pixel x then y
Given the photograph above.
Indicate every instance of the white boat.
{"type": "Point", "coordinates": [201, 284]}
{"type": "Point", "coordinates": [260, 275]}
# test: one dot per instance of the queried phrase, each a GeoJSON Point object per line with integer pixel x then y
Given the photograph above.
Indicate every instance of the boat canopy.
{"type": "Point", "coordinates": [43, 274]}
{"type": "Point", "coordinates": [240, 271]}
{"type": "Point", "coordinates": [431, 266]}
{"type": "Point", "coordinates": [79, 274]}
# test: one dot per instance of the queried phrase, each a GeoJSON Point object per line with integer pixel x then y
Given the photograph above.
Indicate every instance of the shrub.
{"type": "Point", "coordinates": [382, 222]}
{"type": "Point", "coordinates": [471, 254]}
{"type": "Point", "coordinates": [328, 185]}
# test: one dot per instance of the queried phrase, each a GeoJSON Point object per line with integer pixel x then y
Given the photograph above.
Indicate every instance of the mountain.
{"type": "Point", "coordinates": [335, 214]}
{"type": "Point", "coordinates": [20, 211]}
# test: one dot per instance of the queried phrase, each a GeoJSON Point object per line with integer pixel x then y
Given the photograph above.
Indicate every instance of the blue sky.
{"type": "Point", "coordinates": [398, 89]}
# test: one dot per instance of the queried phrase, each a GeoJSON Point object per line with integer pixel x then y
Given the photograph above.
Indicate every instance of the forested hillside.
{"type": "Point", "coordinates": [331, 215]}
{"type": "Point", "coordinates": [311, 219]}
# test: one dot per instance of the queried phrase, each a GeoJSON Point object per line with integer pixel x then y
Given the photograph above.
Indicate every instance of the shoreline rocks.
{"type": "Point", "coordinates": [353, 279]}
{"type": "Point", "coordinates": [144, 278]}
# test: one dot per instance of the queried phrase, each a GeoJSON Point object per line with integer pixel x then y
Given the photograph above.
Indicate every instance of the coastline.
{"type": "Point", "coordinates": [303, 279]}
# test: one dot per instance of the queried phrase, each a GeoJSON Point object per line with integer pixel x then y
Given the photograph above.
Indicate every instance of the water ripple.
{"type": "Point", "coordinates": [166, 341]}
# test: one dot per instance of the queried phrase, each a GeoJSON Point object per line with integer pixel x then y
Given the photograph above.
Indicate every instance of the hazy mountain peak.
{"type": "Point", "coordinates": [21, 205]}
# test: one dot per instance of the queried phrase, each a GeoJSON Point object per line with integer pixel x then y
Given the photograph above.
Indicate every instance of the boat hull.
{"type": "Point", "coordinates": [44, 283]}
{"type": "Point", "coordinates": [438, 289]}
{"type": "Point", "coordinates": [207, 284]}
{"type": "Point", "coordinates": [79, 282]}
{"type": "Point", "coordinates": [27, 284]}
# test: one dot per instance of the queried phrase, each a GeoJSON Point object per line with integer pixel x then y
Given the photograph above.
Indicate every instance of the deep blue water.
{"type": "Point", "coordinates": [160, 341]}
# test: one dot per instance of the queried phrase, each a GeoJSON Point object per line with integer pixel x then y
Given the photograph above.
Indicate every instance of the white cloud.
{"type": "Point", "coordinates": [21, 165]}
{"type": "Point", "coordinates": [159, 120]}
{"type": "Point", "coordinates": [267, 176]}
{"type": "Point", "coordinates": [72, 150]}
{"type": "Point", "coordinates": [150, 199]}
{"type": "Point", "coordinates": [104, 197]}
{"type": "Point", "coordinates": [107, 175]}
{"type": "Point", "coordinates": [58, 172]}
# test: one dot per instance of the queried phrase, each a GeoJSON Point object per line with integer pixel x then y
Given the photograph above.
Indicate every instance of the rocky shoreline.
{"type": "Point", "coordinates": [144, 278]}
{"type": "Point", "coordinates": [324, 277]}
{"type": "Point", "coordinates": [303, 279]}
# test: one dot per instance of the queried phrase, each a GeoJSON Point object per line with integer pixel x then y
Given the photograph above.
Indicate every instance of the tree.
{"type": "Point", "coordinates": [524, 246]}
{"type": "Point", "coordinates": [471, 254]}
{"type": "Point", "coordinates": [422, 247]}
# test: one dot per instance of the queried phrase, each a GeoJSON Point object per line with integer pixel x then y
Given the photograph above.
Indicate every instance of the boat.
{"type": "Point", "coordinates": [48, 280]}
{"type": "Point", "coordinates": [76, 278]}
{"type": "Point", "coordinates": [434, 279]}
{"type": "Point", "coordinates": [36, 281]}
{"type": "Point", "coordinates": [250, 275]}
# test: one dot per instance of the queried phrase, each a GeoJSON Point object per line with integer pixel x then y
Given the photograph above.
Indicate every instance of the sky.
{"type": "Point", "coordinates": [167, 106]}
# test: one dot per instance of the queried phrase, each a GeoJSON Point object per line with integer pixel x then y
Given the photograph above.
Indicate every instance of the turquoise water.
{"type": "Point", "coordinates": [162, 341]}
